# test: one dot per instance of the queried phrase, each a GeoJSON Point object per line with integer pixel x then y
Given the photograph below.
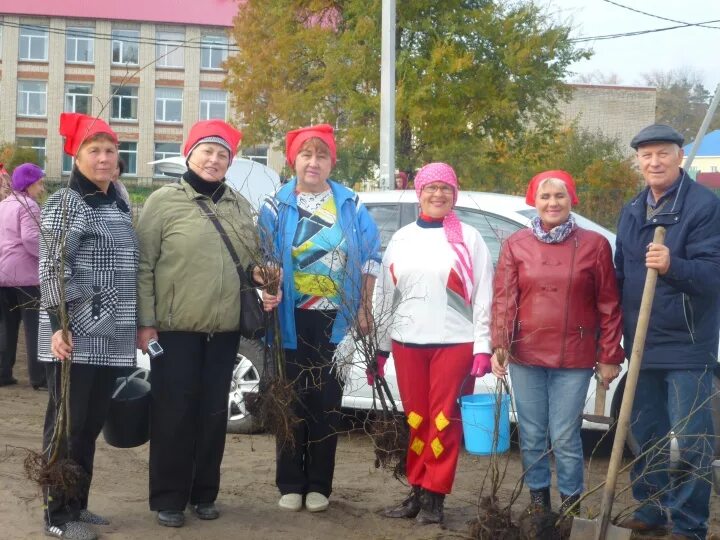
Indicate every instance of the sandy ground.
{"type": "Point", "coordinates": [248, 496]}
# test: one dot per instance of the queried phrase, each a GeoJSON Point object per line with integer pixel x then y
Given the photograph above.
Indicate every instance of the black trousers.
{"type": "Point", "coordinates": [188, 416]}
{"type": "Point", "coordinates": [20, 304]}
{"type": "Point", "coordinates": [309, 464]}
{"type": "Point", "coordinates": [91, 390]}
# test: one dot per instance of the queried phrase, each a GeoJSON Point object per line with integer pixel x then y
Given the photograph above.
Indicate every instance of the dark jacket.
{"type": "Point", "coordinates": [685, 317]}
{"type": "Point", "coordinates": [557, 305]}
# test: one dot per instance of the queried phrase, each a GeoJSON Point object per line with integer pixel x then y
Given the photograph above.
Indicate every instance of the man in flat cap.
{"type": "Point", "coordinates": [676, 378]}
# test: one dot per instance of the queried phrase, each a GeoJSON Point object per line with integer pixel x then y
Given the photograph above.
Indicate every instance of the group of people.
{"type": "Point", "coordinates": [551, 315]}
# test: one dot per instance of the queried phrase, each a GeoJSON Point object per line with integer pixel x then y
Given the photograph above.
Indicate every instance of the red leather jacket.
{"type": "Point", "coordinates": [557, 305]}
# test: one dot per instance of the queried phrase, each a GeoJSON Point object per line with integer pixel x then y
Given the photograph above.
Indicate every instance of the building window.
{"type": "Point", "coordinates": [256, 153]}
{"type": "Point", "coordinates": [168, 51]}
{"type": "Point", "coordinates": [713, 168]}
{"type": "Point", "coordinates": [67, 164]}
{"type": "Point", "coordinates": [36, 143]}
{"type": "Point", "coordinates": [213, 104]}
{"type": "Point", "coordinates": [32, 98]}
{"type": "Point", "coordinates": [125, 47]}
{"type": "Point", "coordinates": [33, 43]}
{"type": "Point", "coordinates": [165, 150]}
{"type": "Point", "coordinates": [213, 52]}
{"type": "Point", "coordinates": [128, 153]}
{"type": "Point", "coordinates": [168, 104]}
{"type": "Point", "coordinates": [79, 46]}
{"type": "Point", "coordinates": [124, 102]}
{"type": "Point", "coordinates": [78, 98]}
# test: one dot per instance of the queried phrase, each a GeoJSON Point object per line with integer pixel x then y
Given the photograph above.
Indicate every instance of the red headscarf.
{"type": "Point", "coordinates": [563, 176]}
{"type": "Point", "coordinates": [77, 128]}
{"type": "Point", "coordinates": [213, 131]}
{"type": "Point", "coordinates": [295, 139]}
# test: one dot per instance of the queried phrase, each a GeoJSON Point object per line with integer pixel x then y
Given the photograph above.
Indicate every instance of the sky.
{"type": "Point", "coordinates": [693, 47]}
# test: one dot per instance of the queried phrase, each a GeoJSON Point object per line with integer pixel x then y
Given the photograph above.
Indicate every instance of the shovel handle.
{"type": "Point", "coordinates": [600, 394]}
{"type": "Point", "coordinates": [631, 379]}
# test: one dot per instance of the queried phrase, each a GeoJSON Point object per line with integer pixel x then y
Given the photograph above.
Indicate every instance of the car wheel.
{"type": "Point", "coordinates": [632, 443]}
{"type": "Point", "coordinates": [245, 382]}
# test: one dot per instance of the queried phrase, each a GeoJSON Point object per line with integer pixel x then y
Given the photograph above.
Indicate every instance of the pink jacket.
{"type": "Point", "coordinates": [19, 236]}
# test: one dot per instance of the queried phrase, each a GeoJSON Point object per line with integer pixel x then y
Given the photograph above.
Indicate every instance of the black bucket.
{"type": "Point", "coordinates": [128, 421]}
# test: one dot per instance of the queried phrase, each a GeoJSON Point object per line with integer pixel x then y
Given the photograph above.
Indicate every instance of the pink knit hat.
{"type": "Point", "coordinates": [442, 172]}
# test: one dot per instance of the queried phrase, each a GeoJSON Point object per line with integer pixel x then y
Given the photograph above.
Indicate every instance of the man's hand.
{"type": "Point", "coordinates": [144, 335]}
{"type": "Point", "coordinates": [658, 257]}
{"type": "Point", "coordinates": [60, 348]}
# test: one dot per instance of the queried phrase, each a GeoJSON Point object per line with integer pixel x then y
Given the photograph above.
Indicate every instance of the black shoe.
{"type": "Point", "coordinates": [569, 505]}
{"type": "Point", "coordinates": [539, 502]}
{"type": "Point", "coordinates": [431, 508]}
{"type": "Point", "coordinates": [72, 530]}
{"type": "Point", "coordinates": [171, 518]}
{"type": "Point", "coordinates": [206, 510]}
{"type": "Point", "coordinates": [86, 516]}
{"type": "Point", "coordinates": [41, 386]}
{"type": "Point", "coordinates": [8, 381]}
{"type": "Point", "coordinates": [409, 508]}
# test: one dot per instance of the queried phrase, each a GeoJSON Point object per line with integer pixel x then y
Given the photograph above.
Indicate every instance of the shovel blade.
{"type": "Point", "coordinates": [588, 529]}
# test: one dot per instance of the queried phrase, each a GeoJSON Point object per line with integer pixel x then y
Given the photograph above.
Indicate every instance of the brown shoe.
{"type": "Point", "coordinates": [642, 527]}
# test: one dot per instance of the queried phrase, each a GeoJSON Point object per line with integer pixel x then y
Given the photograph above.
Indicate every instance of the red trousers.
{"type": "Point", "coordinates": [429, 380]}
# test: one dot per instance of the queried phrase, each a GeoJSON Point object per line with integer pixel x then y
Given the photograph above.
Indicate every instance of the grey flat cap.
{"type": "Point", "coordinates": [657, 133]}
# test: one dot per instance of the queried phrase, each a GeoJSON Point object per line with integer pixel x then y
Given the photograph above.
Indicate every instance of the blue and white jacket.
{"type": "Point", "coordinates": [685, 316]}
{"type": "Point", "coordinates": [277, 225]}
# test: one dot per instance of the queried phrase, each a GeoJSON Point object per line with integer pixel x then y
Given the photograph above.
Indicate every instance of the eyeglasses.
{"type": "Point", "coordinates": [433, 188]}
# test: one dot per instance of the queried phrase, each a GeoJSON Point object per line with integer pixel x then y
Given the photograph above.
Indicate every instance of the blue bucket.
{"type": "Point", "coordinates": [478, 412]}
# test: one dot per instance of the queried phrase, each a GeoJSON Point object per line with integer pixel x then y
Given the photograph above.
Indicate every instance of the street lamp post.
{"type": "Point", "coordinates": [387, 96]}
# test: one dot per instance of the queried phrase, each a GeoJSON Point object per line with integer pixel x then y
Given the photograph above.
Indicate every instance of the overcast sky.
{"type": "Point", "coordinates": [629, 57]}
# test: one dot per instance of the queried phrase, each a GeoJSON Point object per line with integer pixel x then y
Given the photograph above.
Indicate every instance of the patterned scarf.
{"type": "Point", "coordinates": [556, 234]}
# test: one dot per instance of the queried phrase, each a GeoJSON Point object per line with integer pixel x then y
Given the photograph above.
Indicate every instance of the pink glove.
{"type": "Point", "coordinates": [377, 369]}
{"type": "Point", "coordinates": [481, 365]}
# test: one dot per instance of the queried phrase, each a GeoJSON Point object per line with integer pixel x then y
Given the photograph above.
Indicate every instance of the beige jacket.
{"type": "Point", "coordinates": [187, 280]}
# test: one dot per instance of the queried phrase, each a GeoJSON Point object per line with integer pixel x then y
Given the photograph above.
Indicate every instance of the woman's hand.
{"type": "Point", "coordinates": [608, 373]}
{"type": "Point", "coordinates": [144, 335]}
{"type": "Point", "coordinates": [268, 277]}
{"type": "Point", "coordinates": [60, 348]}
{"type": "Point", "coordinates": [498, 363]}
{"type": "Point", "coordinates": [271, 301]}
{"type": "Point", "coordinates": [364, 319]}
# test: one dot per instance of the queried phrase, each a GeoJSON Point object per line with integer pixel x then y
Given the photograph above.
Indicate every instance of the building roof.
{"type": "Point", "coordinates": [710, 145]}
{"type": "Point", "coordinates": [196, 12]}
{"type": "Point", "coordinates": [709, 179]}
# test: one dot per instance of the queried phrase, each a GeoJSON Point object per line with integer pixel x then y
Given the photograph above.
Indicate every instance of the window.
{"type": "Point", "coordinates": [124, 102]}
{"type": "Point", "coordinates": [32, 98]}
{"type": "Point", "coordinates": [168, 104]}
{"type": "Point", "coordinates": [162, 151]}
{"type": "Point", "coordinates": [214, 51]}
{"type": "Point", "coordinates": [33, 43]}
{"type": "Point", "coordinates": [79, 45]}
{"type": "Point", "coordinates": [36, 143]}
{"type": "Point", "coordinates": [128, 153]}
{"type": "Point", "coordinates": [125, 47]}
{"type": "Point", "coordinates": [168, 51]}
{"type": "Point", "coordinates": [387, 220]}
{"type": "Point", "coordinates": [78, 98]}
{"type": "Point", "coordinates": [256, 153]}
{"type": "Point", "coordinates": [67, 164]}
{"type": "Point", "coordinates": [713, 168]}
{"type": "Point", "coordinates": [493, 229]}
{"type": "Point", "coordinates": [213, 104]}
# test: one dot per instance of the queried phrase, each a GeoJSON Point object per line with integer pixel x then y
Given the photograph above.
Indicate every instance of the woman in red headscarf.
{"type": "Point", "coordinates": [189, 303]}
{"type": "Point", "coordinates": [556, 317]}
{"type": "Point", "coordinates": [328, 247]}
{"type": "Point", "coordinates": [88, 273]}
{"type": "Point", "coordinates": [433, 310]}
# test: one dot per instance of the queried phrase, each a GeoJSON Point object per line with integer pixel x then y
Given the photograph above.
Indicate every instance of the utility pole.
{"type": "Point", "coordinates": [387, 96]}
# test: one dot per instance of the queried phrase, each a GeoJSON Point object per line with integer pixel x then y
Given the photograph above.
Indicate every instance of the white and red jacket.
{"type": "Point", "coordinates": [419, 296]}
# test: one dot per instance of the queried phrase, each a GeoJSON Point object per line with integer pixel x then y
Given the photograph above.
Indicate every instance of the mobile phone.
{"type": "Point", "coordinates": [154, 349]}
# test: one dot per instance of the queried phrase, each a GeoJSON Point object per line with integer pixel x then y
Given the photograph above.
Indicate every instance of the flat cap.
{"type": "Point", "coordinates": [657, 133]}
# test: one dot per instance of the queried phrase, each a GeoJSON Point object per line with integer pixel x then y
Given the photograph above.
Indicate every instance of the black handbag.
{"type": "Point", "coordinates": [252, 316]}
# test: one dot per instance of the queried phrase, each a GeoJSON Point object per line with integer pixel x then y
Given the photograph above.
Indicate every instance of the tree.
{"type": "Point", "coordinates": [474, 77]}
{"type": "Point", "coordinates": [598, 77]}
{"type": "Point", "coordinates": [682, 100]}
{"type": "Point", "coordinates": [12, 155]}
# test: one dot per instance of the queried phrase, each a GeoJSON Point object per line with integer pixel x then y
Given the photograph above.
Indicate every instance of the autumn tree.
{"type": "Point", "coordinates": [682, 100]}
{"type": "Point", "coordinates": [475, 78]}
{"type": "Point", "coordinates": [12, 155]}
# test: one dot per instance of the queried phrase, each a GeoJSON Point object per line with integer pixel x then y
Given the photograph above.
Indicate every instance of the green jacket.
{"type": "Point", "coordinates": [187, 280]}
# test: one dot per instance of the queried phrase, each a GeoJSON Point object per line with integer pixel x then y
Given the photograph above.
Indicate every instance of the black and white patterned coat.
{"type": "Point", "coordinates": [88, 260]}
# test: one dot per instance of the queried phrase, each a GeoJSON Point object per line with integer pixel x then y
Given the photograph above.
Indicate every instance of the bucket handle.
{"type": "Point", "coordinates": [128, 379]}
{"type": "Point", "coordinates": [501, 385]}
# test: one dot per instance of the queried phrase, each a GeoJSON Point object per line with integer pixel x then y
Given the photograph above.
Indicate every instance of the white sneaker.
{"type": "Point", "coordinates": [291, 502]}
{"type": "Point", "coordinates": [316, 502]}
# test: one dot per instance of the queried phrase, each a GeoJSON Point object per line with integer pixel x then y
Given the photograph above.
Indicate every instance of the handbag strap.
{"type": "Point", "coordinates": [226, 240]}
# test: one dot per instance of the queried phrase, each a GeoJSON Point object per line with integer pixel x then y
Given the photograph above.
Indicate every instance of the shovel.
{"type": "Point", "coordinates": [600, 528]}
{"type": "Point", "coordinates": [599, 416]}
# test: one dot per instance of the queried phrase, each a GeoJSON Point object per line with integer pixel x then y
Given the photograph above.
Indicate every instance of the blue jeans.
{"type": "Point", "coordinates": [673, 400]}
{"type": "Point", "coordinates": [549, 404]}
